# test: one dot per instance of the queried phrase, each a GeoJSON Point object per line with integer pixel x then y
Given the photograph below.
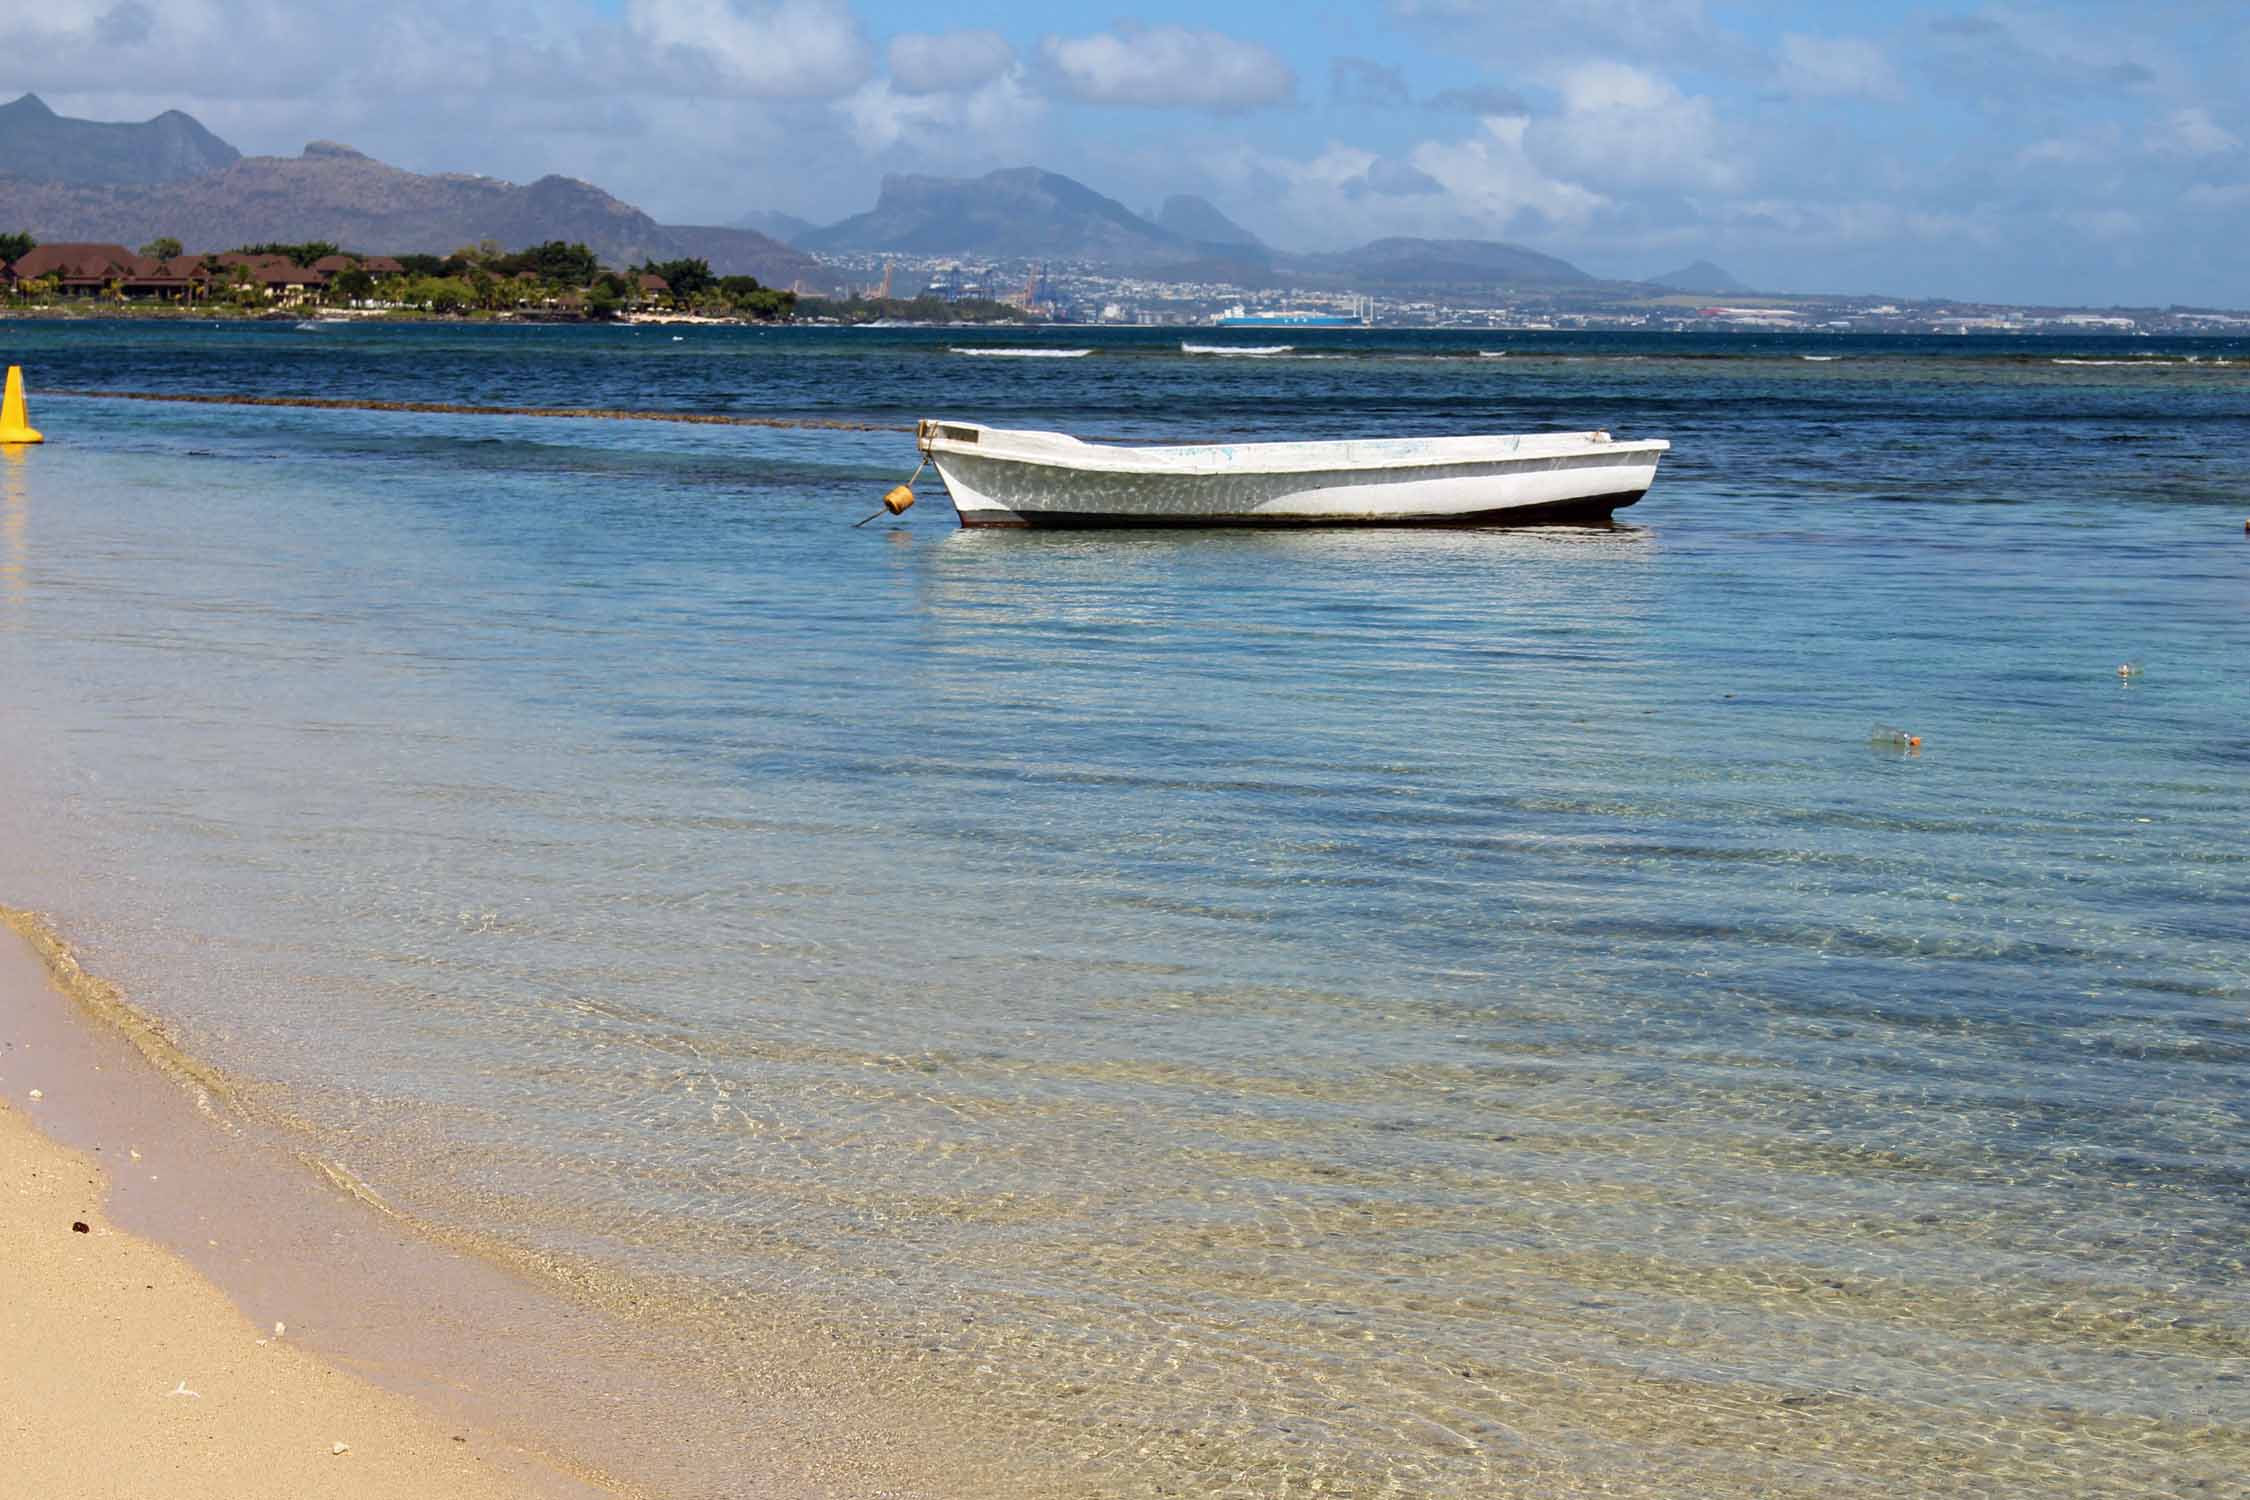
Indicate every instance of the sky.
{"type": "Point", "coordinates": [2085, 153]}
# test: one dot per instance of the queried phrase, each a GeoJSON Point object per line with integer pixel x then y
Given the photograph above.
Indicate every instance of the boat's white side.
{"type": "Point", "coordinates": [1004, 477]}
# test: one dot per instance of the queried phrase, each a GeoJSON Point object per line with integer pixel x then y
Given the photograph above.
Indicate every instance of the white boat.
{"type": "Point", "coordinates": [999, 476]}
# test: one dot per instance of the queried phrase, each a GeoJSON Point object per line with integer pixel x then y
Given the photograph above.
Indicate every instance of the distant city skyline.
{"type": "Point", "coordinates": [2085, 154]}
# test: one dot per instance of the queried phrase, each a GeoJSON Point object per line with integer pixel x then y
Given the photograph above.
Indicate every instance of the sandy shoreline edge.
{"type": "Point", "coordinates": [124, 1370]}
{"type": "Point", "coordinates": [395, 1343]}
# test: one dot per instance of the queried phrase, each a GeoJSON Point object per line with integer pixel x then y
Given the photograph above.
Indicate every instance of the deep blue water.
{"type": "Point", "coordinates": [1401, 1014]}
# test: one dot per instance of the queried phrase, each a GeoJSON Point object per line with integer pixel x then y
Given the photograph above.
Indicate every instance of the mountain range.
{"type": "Point", "coordinates": [169, 148]}
{"type": "Point", "coordinates": [1702, 277]}
{"type": "Point", "coordinates": [1194, 218]}
{"type": "Point", "coordinates": [86, 189]}
{"type": "Point", "coordinates": [66, 179]}
{"type": "Point", "coordinates": [1023, 213]}
{"type": "Point", "coordinates": [1018, 212]}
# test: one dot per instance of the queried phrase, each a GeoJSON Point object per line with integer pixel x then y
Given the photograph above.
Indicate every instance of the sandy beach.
{"type": "Point", "coordinates": [232, 1311]}
{"type": "Point", "coordinates": [124, 1372]}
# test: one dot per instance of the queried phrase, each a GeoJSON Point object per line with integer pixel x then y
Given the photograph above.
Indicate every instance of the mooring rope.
{"type": "Point", "coordinates": [449, 408]}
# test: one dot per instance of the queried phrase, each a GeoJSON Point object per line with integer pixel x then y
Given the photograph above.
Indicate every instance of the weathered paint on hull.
{"type": "Point", "coordinates": [1003, 477]}
{"type": "Point", "coordinates": [1537, 491]}
{"type": "Point", "coordinates": [1593, 510]}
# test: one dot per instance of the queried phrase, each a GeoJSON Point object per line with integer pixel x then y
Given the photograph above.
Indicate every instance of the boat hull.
{"type": "Point", "coordinates": [1590, 510]}
{"type": "Point", "coordinates": [1570, 479]}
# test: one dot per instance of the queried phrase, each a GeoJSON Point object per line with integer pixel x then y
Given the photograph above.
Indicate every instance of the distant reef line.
{"type": "Point", "coordinates": [457, 409]}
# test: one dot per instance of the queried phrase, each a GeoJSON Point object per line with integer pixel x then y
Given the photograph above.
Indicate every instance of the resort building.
{"type": "Point", "coordinates": [92, 270]}
{"type": "Point", "coordinates": [97, 270]}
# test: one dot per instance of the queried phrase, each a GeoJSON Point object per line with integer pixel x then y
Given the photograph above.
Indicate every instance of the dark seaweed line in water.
{"type": "Point", "coordinates": [449, 408]}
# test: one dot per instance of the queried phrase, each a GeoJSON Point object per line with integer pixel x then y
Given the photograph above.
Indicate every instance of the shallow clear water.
{"type": "Point", "coordinates": [1361, 1013]}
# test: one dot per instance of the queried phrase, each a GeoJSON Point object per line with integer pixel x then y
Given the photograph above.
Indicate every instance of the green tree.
{"type": "Point", "coordinates": [496, 293]}
{"type": "Point", "coordinates": [163, 247]}
{"type": "Point", "coordinates": [240, 286]}
{"type": "Point", "coordinates": [353, 285]}
{"type": "Point", "coordinates": [450, 294]}
{"type": "Point", "coordinates": [556, 261]}
{"type": "Point", "coordinates": [687, 278]}
{"type": "Point", "coordinates": [304, 254]}
{"type": "Point", "coordinates": [14, 247]}
{"type": "Point", "coordinates": [482, 253]}
{"type": "Point", "coordinates": [769, 306]}
{"type": "Point", "coordinates": [746, 298]}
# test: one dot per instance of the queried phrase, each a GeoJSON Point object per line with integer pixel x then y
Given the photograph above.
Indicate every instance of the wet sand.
{"type": "Point", "coordinates": [124, 1372]}
{"type": "Point", "coordinates": [443, 1372]}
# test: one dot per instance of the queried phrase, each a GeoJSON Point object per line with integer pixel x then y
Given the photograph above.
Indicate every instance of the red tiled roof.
{"type": "Point", "coordinates": [651, 282]}
{"type": "Point", "coordinates": [92, 263]}
{"type": "Point", "coordinates": [80, 261]}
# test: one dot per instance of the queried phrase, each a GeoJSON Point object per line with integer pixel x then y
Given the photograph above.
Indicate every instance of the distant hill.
{"type": "Point", "coordinates": [1699, 277]}
{"type": "Point", "coordinates": [38, 144]}
{"type": "Point", "coordinates": [787, 228]}
{"type": "Point", "coordinates": [1024, 213]}
{"type": "Point", "coordinates": [1193, 218]}
{"type": "Point", "coordinates": [334, 193]}
{"type": "Point", "coordinates": [1019, 212]}
{"type": "Point", "coordinates": [740, 252]}
{"type": "Point", "coordinates": [1404, 264]}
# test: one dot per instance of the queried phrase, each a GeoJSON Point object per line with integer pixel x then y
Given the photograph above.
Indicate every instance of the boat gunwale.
{"type": "Point", "coordinates": [1317, 456]}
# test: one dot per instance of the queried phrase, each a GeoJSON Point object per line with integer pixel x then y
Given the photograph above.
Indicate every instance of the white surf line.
{"type": "Point", "coordinates": [1240, 351]}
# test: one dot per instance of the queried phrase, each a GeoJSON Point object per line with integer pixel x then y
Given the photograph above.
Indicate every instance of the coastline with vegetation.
{"type": "Point", "coordinates": [558, 281]}
{"type": "Point", "coordinates": [554, 280]}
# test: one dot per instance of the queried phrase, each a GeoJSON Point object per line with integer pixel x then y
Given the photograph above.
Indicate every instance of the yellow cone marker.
{"type": "Point", "coordinates": [15, 422]}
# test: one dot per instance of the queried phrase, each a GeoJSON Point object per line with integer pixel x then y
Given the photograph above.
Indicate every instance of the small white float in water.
{"type": "Point", "coordinates": [1004, 477]}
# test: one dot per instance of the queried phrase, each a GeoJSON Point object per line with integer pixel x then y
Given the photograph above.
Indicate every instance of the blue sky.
{"type": "Point", "coordinates": [2083, 153]}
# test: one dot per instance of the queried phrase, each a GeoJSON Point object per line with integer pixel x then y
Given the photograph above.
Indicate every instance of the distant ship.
{"type": "Point", "coordinates": [1237, 317]}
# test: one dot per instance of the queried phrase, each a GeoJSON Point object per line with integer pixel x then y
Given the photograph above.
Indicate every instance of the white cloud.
{"type": "Point", "coordinates": [1494, 181]}
{"type": "Point", "coordinates": [2192, 132]}
{"type": "Point", "coordinates": [1169, 67]}
{"type": "Point", "coordinates": [950, 63]}
{"type": "Point", "coordinates": [66, 20]}
{"type": "Point", "coordinates": [1516, 33]}
{"type": "Point", "coordinates": [1623, 125]}
{"type": "Point", "coordinates": [1483, 186]}
{"type": "Point", "coordinates": [2068, 151]}
{"type": "Point", "coordinates": [776, 49]}
{"type": "Point", "coordinates": [1852, 222]}
{"type": "Point", "coordinates": [2003, 55]}
{"type": "Point", "coordinates": [1842, 67]}
{"type": "Point", "coordinates": [997, 117]}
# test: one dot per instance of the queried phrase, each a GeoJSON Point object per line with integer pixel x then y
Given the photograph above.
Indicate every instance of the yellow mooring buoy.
{"type": "Point", "coordinates": [900, 497]}
{"type": "Point", "coordinates": [15, 422]}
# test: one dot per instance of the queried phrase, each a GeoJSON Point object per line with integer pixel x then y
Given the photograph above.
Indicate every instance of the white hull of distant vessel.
{"type": "Point", "coordinates": [1003, 477]}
